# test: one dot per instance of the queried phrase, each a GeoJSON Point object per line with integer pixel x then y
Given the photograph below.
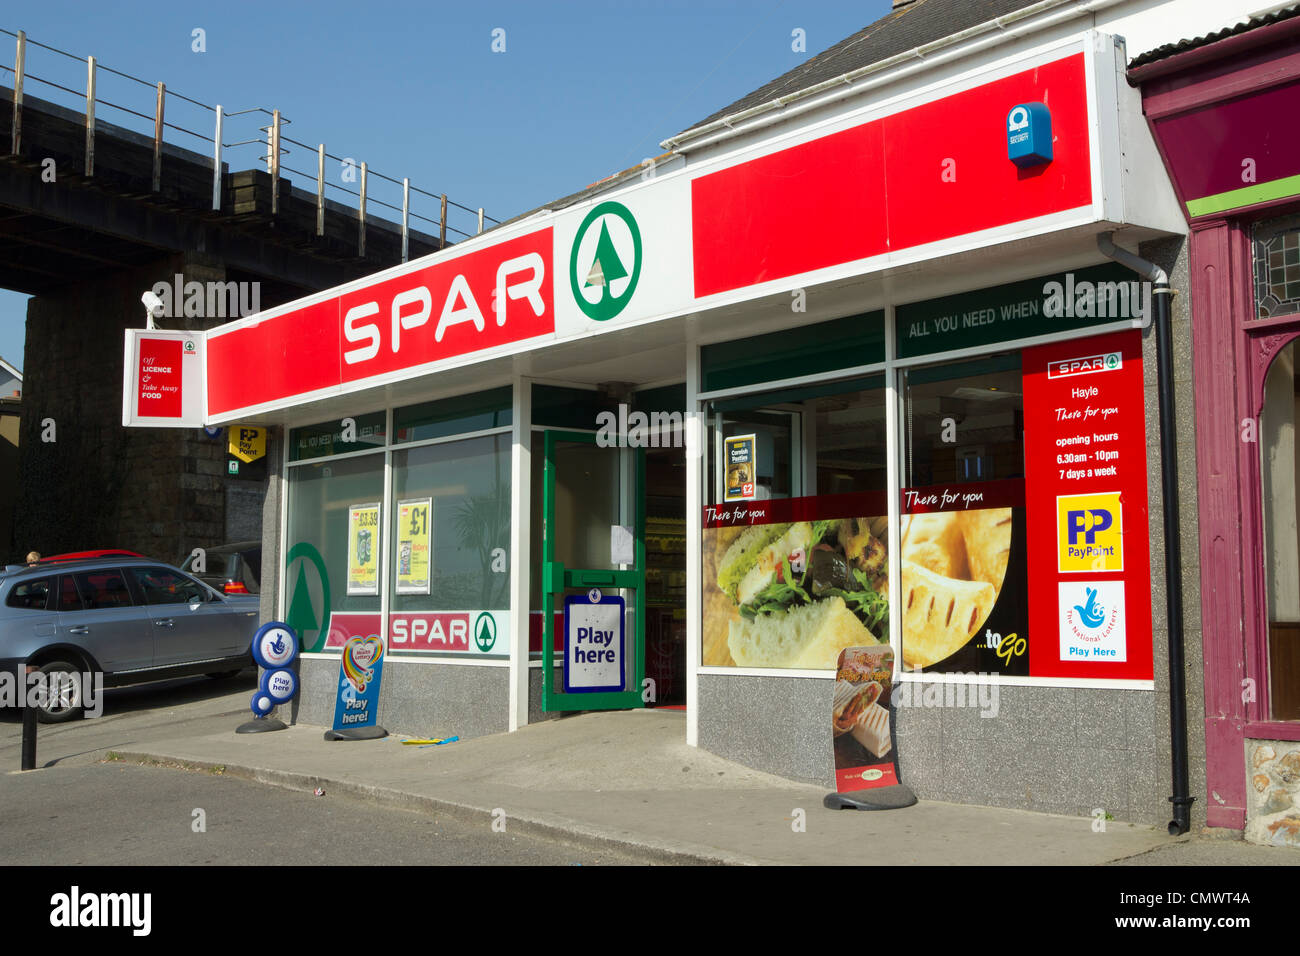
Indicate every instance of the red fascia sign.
{"type": "Point", "coordinates": [925, 174]}
{"type": "Point", "coordinates": [397, 322]}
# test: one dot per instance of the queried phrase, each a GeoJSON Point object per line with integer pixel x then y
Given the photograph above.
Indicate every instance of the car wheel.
{"type": "Point", "coordinates": [222, 675]}
{"type": "Point", "coordinates": [63, 693]}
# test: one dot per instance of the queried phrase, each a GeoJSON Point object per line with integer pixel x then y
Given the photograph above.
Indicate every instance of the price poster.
{"type": "Point", "coordinates": [414, 539]}
{"type": "Point", "coordinates": [363, 549]}
{"type": "Point", "coordinates": [739, 461]}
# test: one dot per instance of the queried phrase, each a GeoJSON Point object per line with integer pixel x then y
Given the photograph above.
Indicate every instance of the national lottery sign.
{"type": "Point", "coordinates": [360, 672]}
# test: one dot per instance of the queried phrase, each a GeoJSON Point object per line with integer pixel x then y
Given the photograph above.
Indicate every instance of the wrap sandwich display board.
{"type": "Point", "coordinates": [860, 719]}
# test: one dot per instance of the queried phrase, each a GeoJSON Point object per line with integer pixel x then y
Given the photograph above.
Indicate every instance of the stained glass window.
{"type": "Point", "coordinates": [1276, 250]}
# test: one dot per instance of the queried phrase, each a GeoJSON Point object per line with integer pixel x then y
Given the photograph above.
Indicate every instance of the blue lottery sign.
{"type": "Point", "coordinates": [275, 646]}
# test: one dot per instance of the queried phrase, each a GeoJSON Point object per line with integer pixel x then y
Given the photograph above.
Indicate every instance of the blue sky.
{"type": "Point", "coordinates": [582, 89]}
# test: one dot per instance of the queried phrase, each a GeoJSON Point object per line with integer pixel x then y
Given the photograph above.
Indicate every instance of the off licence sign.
{"type": "Point", "coordinates": [161, 378]}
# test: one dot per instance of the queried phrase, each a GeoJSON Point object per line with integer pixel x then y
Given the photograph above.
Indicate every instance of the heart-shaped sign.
{"type": "Point", "coordinates": [359, 659]}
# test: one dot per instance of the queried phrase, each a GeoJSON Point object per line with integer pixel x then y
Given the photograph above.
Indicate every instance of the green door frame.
{"type": "Point", "coordinates": [556, 577]}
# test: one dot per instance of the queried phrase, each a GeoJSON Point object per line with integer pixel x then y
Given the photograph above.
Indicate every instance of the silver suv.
{"type": "Point", "coordinates": [133, 619]}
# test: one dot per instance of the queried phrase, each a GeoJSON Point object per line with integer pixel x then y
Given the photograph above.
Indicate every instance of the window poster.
{"type": "Point", "coordinates": [414, 542]}
{"type": "Point", "coordinates": [740, 458]}
{"type": "Point", "coordinates": [791, 582]}
{"type": "Point", "coordinates": [962, 559]}
{"type": "Point", "coordinates": [1086, 497]}
{"type": "Point", "coordinates": [363, 549]}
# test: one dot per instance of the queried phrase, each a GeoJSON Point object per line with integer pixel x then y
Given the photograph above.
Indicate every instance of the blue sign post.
{"type": "Point", "coordinates": [275, 649]}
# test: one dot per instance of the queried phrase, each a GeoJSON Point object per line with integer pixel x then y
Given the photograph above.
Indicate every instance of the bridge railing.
{"type": "Point", "coordinates": [337, 179]}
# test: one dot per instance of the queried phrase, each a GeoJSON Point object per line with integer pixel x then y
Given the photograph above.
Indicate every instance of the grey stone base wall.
{"type": "Point", "coordinates": [535, 712]}
{"type": "Point", "coordinates": [1049, 749]}
{"type": "Point", "coordinates": [422, 699]}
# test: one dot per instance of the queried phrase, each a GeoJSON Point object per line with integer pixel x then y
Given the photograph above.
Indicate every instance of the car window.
{"type": "Point", "coordinates": [69, 599]}
{"type": "Point", "coordinates": [161, 586]}
{"type": "Point", "coordinates": [30, 595]}
{"type": "Point", "coordinates": [101, 589]}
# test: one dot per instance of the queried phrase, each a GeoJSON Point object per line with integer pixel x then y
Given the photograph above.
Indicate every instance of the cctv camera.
{"type": "Point", "coordinates": [153, 304]}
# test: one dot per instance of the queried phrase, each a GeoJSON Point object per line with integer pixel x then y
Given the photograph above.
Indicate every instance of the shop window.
{"type": "Point", "coordinates": [453, 416]}
{"type": "Point", "coordinates": [331, 505]}
{"type": "Point", "coordinates": [1276, 251]}
{"type": "Point", "coordinates": [847, 439]}
{"type": "Point", "coordinates": [794, 548]}
{"type": "Point", "coordinates": [964, 422]}
{"type": "Point", "coordinates": [361, 433]}
{"type": "Point", "coordinates": [451, 526]}
{"type": "Point", "coordinates": [1278, 472]}
{"type": "Point", "coordinates": [824, 439]}
{"type": "Point", "coordinates": [961, 536]}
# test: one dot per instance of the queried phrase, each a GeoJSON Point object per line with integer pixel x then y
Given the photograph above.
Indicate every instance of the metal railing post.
{"type": "Point", "coordinates": [216, 163]}
{"type": "Point", "coordinates": [19, 59]}
{"type": "Point", "coordinates": [158, 137]}
{"type": "Point", "coordinates": [406, 217]}
{"type": "Point", "coordinates": [90, 116]}
{"type": "Point", "coordinates": [442, 224]}
{"type": "Point", "coordinates": [361, 215]}
{"type": "Point", "coordinates": [320, 190]}
{"type": "Point", "coordinates": [480, 220]}
{"type": "Point", "coordinates": [273, 159]}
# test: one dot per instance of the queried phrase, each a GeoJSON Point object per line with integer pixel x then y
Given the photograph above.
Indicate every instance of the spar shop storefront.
{"type": "Point", "coordinates": [864, 380]}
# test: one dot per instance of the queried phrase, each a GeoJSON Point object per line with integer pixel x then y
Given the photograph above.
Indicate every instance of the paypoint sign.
{"type": "Point", "coordinates": [1090, 532]}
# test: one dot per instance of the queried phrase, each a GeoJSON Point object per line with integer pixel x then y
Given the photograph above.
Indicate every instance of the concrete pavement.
{"type": "Point", "coordinates": [624, 780]}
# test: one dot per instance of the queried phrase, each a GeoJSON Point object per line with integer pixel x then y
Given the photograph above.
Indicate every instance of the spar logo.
{"type": "Point", "coordinates": [605, 262]}
{"type": "Point", "coordinates": [1090, 532]}
{"type": "Point", "coordinates": [1085, 365]}
{"type": "Point", "coordinates": [308, 595]}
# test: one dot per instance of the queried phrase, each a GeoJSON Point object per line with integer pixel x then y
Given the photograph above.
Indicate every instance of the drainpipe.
{"type": "Point", "coordinates": [1181, 799]}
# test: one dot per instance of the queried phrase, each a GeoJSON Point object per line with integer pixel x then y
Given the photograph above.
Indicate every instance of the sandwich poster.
{"type": "Point", "coordinates": [740, 455]}
{"type": "Point", "coordinates": [962, 563]}
{"type": "Point", "coordinates": [791, 582]}
{"type": "Point", "coordinates": [864, 749]}
{"type": "Point", "coordinates": [363, 549]}
{"type": "Point", "coordinates": [413, 545]}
